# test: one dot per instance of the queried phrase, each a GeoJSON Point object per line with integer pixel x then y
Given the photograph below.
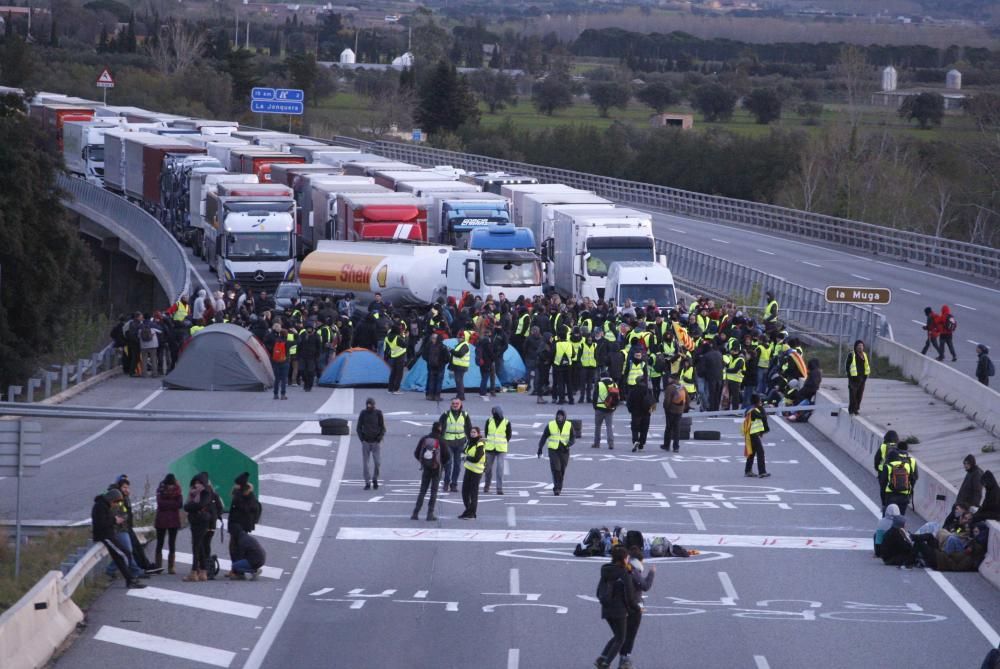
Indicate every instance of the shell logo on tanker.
{"type": "Point", "coordinates": [344, 272]}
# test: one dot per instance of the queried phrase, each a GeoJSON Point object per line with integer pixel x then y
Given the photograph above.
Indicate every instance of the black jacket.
{"type": "Point", "coordinates": [990, 508]}
{"type": "Point", "coordinates": [309, 347]}
{"type": "Point", "coordinates": [617, 579]}
{"type": "Point", "coordinates": [971, 492]}
{"type": "Point", "coordinates": [371, 425]}
{"type": "Point", "coordinates": [102, 519]}
{"type": "Point", "coordinates": [248, 548]}
{"type": "Point", "coordinates": [436, 355]}
{"type": "Point", "coordinates": [244, 509]}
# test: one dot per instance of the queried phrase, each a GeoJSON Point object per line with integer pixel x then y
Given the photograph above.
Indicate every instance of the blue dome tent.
{"type": "Point", "coordinates": [510, 372]}
{"type": "Point", "coordinates": [358, 367]}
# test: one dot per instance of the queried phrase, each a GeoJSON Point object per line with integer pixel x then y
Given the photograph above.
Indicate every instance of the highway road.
{"type": "Point", "coordinates": [973, 301]}
{"type": "Point", "coordinates": [785, 575]}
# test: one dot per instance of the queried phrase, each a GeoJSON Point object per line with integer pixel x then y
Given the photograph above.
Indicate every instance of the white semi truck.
{"type": "Point", "coordinates": [83, 148]}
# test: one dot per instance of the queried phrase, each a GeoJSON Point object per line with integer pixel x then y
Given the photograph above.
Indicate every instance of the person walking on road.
{"type": "Point", "coordinates": [276, 343]}
{"type": "Point", "coordinates": [933, 328]}
{"type": "Point", "coordinates": [970, 494]}
{"type": "Point", "coordinates": [433, 458]}
{"type": "Point", "coordinates": [899, 476]}
{"type": "Point", "coordinates": [457, 427]}
{"type": "Point", "coordinates": [640, 405]}
{"type": "Point", "coordinates": [948, 326]}
{"type": "Point", "coordinates": [371, 431]}
{"type": "Point", "coordinates": [169, 500]}
{"type": "Point", "coordinates": [461, 357]}
{"type": "Point", "coordinates": [606, 398]}
{"type": "Point", "coordinates": [755, 426]}
{"type": "Point", "coordinates": [310, 347]}
{"type": "Point", "coordinates": [642, 579]}
{"type": "Point", "coordinates": [497, 433]}
{"type": "Point", "coordinates": [104, 527]}
{"type": "Point", "coordinates": [984, 366]}
{"type": "Point", "coordinates": [247, 555]}
{"type": "Point", "coordinates": [674, 406]}
{"type": "Point", "coordinates": [889, 442]}
{"type": "Point", "coordinates": [395, 347]}
{"type": "Point", "coordinates": [858, 371]}
{"type": "Point", "coordinates": [616, 594]}
{"type": "Point", "coordinates": [558, 437]}
{"type": "Point", "coordinates": [475, 464]}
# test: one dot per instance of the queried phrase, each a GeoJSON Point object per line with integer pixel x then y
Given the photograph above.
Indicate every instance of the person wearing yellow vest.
{"type": "Point", "coordinates": [395, 347]}
{"type": "Point", "coordinates": [765, 348]}
{"type": "Point", "coordinates": [889, 442]}
{"type": "Point", "coordinates": [754, 428]}
{"type": "Point", "coordinates": [606, 399]}
{"type": "Point", "coordinates": [588, 367]}
{"type": "Point", "coordinates": [562, 363]}
{"type": "Point", "coordinates": [456, 426]}
{"type": "Point", "coordinates": [557, 439]}
{"type": "Point", "coordinates": [180, 310]}
{"type": "Point", "coordinates": [475, 464]}
{"type": "Point", "coordinates": [461, 357]}
{"type": "Point", "coordinates": [771, 310]}
{"type": "Point", "coordinates": [498, 434]}
{"type": "Point", "coordinates": [635, 368]}
{"type": "Point", "coordinates": [858, 371]}
{"type": "Point", "coordinates": [735, 369]}
{"type": "Point", "coordinates": [898, 476]}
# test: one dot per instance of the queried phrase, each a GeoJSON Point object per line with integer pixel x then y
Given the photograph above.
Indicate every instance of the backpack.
{"type": "Point", "coordinates": [146, 332]}
{"type": "Point", "coordinates": [660, 547]}
{"type": "Point", "coordinates": [279, 353]}
{"type": "Point", "coordinates": [609, 594]}
{"type": "Point", "coordinates": [592, 545]}
{"type": "Point", "coordinates": [990, 369]}
{"type": "Point", "coordinates": [950, 324]}
{"type": "Point", "coordinates": [899, 477]}
{"type": "Point", "coordinates": [681, 396]}
{"type": "Point", "coordinates": [430, 454]}
{"type": "Point", "coordinates": [614, 396]}
{"type": "Point", "coordinates": [634, 538]}
{"type": "Point", "coordinates": [679, 551]}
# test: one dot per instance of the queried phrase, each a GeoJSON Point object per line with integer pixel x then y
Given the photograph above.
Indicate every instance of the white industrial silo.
{"type": "Point", "coordinates": [889, 78]}
{"type": "Point", "coordinates": [953, 80]}
{"type": "Point", "coordinates": [347, 57]}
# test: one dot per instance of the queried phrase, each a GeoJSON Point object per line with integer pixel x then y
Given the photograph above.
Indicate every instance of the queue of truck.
{"type": "Point", "coordinates": [253, 202]}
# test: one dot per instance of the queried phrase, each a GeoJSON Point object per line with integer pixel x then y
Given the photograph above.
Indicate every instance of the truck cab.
{"type": "Point", "coordinates": [503, 236]}
{"type": "Point", "coordinates": [642, 283]}
{"type": "Point", "coordinates": [483, 273]}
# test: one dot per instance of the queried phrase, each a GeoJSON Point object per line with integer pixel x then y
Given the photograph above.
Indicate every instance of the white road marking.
{"type": "Point", "coordinates": [515, 581]}
{"type": "Point", "coordinates": [699, 524]}
{"type": "Point", "coordinates": [574, 537]}
{"type": "Point", "coordinates": [761, 662]}
{"type": "Point", "coordinates": [165, 646]}
{"type": "Point", "coordinates": [907, 290]}
{"type": "Point", "coordinates": [770, 253]}
{"type": "Point", "coordinates": [225, 565]}
{"type": "Point", "coordinates": [321, 592]}
{"type": "Point", "coordinates": [286, 503]}
{"type": "Point", "coordinates": [421, 594]}
{"type": "Point", "coordinates": [678, 230]}
{"type": "Point", "coordinates": [954, 595]}
{"type": "Point", "coordinates": [506, 467]}
{"type": "Point", "coordinates": [965, 306]}
{"type": "Point", "coordinates": [297, 459]}
{"type": "Point", "coordinates": [100, 433]}
{"type": "Point", "coordinates": [921, 323]}
{"type": "Point", "coordinates": [721, 241]}
{"type": "Point", "coordinates": [310, 442]}
{"type": "Point", "coordinates": [671, 474]}
{"type": "Point", "coordinates": [198, 602]}
{"type": "Point", "coordinates": [511, 517]}
{"type": "Point", "coordinates": [811, 264]}
{"type": "Point", "coordinates": [727, 586]}
{"type": "Point", "coordinates": [276, 533]}
{"type": "Point", "coordinates": [863, 278]}
{"type": "Point", "coordinates": [974, 343]}
{"type": "Point", "coordinates": [342, 397]}
{"type": "Point", "coordinates": [281, 442]}
{"type": "Point", "coordinates": [513, 658]}
{"type": "Point", "coordinates": [306, 481]}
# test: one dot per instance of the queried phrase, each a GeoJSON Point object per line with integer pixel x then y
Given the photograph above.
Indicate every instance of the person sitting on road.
{"type": "Point", "coordinates": [248, 556]}
{"type": "Point", "coordinates": [883, 526]}
{"type": "Point", "coordinates": [898, 549]}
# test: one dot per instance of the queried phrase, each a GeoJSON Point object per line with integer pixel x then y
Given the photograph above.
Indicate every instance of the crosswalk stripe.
{"type": "Point", "coordinates": [166, 646]}
{"type": "Point", "coordinates": [276, 533]}
{"type": "Point", "coordinates": [310, 441]}
{"type": "Point", "coordinates": [213, 604]}
{"type": "Point", "coordinates": [226, 565]}
{"type": "Point", "coordinates": [298, 459]}
{"type": "Point", "coordinates": [286, 503]}
{"type": "Point", "coordinates": [307, 481]}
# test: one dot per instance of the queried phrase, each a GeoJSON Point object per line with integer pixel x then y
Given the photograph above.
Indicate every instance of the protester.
{"type": "Point", "coordinates": [674, 406]}
{"type": "Point", "coordinates": [898, 549]}
{"type": "Point", "coordinates": [884, 525]}
{"type": "Point", "coordinates": [475, 463]}
{"type": "Point", "coordinates": [203, 511]}
{"type": "Point", "coordinates": [557, 438]}
{"type": "Point", "coordinates": [457, 427]}
{"type": "Point", "coordinates": [246, 554]}
{"type": "Point", "coordinates": [899, 476]}
{"type": "Point", "coordinates": [606, 398]}
{"type": "Point", "coordinates": [858, 371]}
{"type": "Point", "coordinates": [616, 594]}
{"type": "Point", "coordinates": [990, 508]}
{"type": "Point", "coordinates": [947, 333]}
{"type": "Point", "coordinates": [244, 510]}
{"type": "Point", "coordinates": [497, 434]}
{"type": "Point", "coordinates": [642, 579]}
{"type": "Point", "coordinates": [933, 328]}
{"type": "Point", "coordinates": [432, 458]}
{"type": "Point", "coordinates": [169, 500]}
{"type": "Point", "coordinates": [970, 493]}
{"type": "Point", "coordinates": [104, 528]}
{"type": "Point", "coordinates": [436, 355]}
{"type": "Point", "coordinates": [640, 406]}
{"type": "Point", "coordinates": [371, 431]}
{"type": "Point", "coordinates": [755, 426]}
{"type": "Point", "coordinates": [984, 365]}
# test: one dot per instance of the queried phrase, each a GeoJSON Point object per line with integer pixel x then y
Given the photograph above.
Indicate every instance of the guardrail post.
{"type": "Point", "coordinates": [81, 370]}
{"type": "Point", "coordinates": [64, 373]}
{"type": "Point", "coordinates": [33, 383]}
{"type": "Point", "coordinates": [13, 392]}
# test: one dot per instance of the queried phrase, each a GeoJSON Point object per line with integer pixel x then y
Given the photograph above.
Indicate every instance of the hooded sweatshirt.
{"type": "Point", "coordinates": [617, 577]}
{"type": "Point", "coordinates": [883, 526]}
{"type": "Point", "coordinates": [990, 508]}
{"type": "Point", "coordinates": [971, 492]}
{"type": "Point", "coordinates": [102, 519]}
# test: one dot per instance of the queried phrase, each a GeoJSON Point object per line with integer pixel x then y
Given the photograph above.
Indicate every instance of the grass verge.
{"type": "Point", "coordinates": [40, 555]}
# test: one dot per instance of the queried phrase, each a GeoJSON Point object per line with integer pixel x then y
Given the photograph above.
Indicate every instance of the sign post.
{"type": "Point", "coordinates": [290, 101]}
{"type": "Point", "coordinates": [861, 296]}
{"type": "Point", "coordinates": [20, 456]}
{"type": "Point", "coordinates": [105, 81]}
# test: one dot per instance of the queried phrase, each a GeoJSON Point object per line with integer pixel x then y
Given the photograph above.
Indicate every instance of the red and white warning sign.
{"type": "Point", "coordinates": [105, 80]}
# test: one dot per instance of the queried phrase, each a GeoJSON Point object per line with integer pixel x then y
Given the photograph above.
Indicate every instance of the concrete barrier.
{"type": "Point", "coordinates": [933, 496]}
{"type": "Point", "coordinates": [37, 625]}
{"type": "Point", "coordinates": [978, 402]}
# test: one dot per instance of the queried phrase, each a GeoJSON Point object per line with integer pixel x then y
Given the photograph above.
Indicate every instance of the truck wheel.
{"type": "Point", "coordinates": [707, 435]}
{"type": "Point", "coordinates": [334, 427]}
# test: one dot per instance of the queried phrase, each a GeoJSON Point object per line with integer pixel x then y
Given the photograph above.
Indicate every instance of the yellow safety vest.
{"type": "Point", "coordinates": [523, 324]}
{"type": "Point", "coordinates": [564, 351]}
{"type": "Point", "coordinates": [734, 369]}
{"type": "Point", "coordinates": [588, 355]}
{"type": "Point", "coordinates": [462, 359]}
{"type": "Point", "coordinates": [764, 360]}
{"type": "Point", "coordinates": [195, 329]}
{"type": "Point", "coordinates": [853, 369]}
{"type": "Point", "coordinates": [771, 311]}
{"type": "Point", "coordinates": [603, 391]}
{"type": "Point", "coordinates": [558, 437]}
{"type": "Point", "coordinates": [883, 451]}
{"type": "Point", "coordinates": [635, 372]}
{"type": "Point", "coordinates": [702, 322]}
{"type": "Point", "coordinates": [181, 312]}
{"type": "Point", "coordinates": [454, 429]}
{"type": "Point", "coordinates": [756, 422]}
{"type": "Point", "coordinates": [687, 378]}
{"type": "Point", "coordinates": [577, 346]}
{"type": "Point", "coordinates": [395, 350]}
{"type": "Point", "coordinates": [496, 435]}
{"type": "Point", "coordinates": [475, 466]}
{"type": "Point", "coordinates": [293, 346]}
{"type": "Point", "coordinates": [909, 464]}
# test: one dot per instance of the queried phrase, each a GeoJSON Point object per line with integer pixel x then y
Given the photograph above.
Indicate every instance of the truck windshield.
{"type": "Point", "coordinates": [639, 293]}
{"type": "Point", "coordinates": [526, 273]}
{"type": "Point", "coordinates": [605, 251]}
{"type": "Point", "coordinates": [259, 245]}
{"type": "Point", "coordinates": [96, 153]}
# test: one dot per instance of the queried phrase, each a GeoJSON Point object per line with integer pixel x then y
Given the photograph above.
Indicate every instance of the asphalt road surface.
{"type": "Point", "coordinates": [785, 577]}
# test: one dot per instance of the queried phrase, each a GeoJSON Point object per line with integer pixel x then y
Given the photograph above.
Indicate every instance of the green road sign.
{"type": "Point", "coordinates": [223, 464]}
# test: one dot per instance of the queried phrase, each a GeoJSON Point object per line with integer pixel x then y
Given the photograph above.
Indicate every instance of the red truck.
{"type": "Point", "coordinates": [53, 115]}
{"type": "Point", "coordinates": [382, 216]}
{"type": "Point", "coordinates": [257, 160]}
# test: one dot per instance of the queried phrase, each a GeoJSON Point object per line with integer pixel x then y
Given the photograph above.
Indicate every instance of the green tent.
{"type": "Point", "coordinates": [223, 464]}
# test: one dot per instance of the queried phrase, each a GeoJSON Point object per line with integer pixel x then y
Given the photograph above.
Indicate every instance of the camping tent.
{"type": "Point", "coordinates": [356, 367]}
{"type": "Point", "coordinates": [511, 371]}
{"type": "Point", "coordinates": [222, 357]}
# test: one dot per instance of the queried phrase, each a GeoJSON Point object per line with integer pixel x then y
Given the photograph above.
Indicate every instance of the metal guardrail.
{"type": "Point", "coordinates": [69, 375]}
{"type": "Point", "coordinates": [808, 308]}
{"type": "Point", "coordinates": [973, 259]}
{"type": "Point", "coordinates": [154, 243]}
